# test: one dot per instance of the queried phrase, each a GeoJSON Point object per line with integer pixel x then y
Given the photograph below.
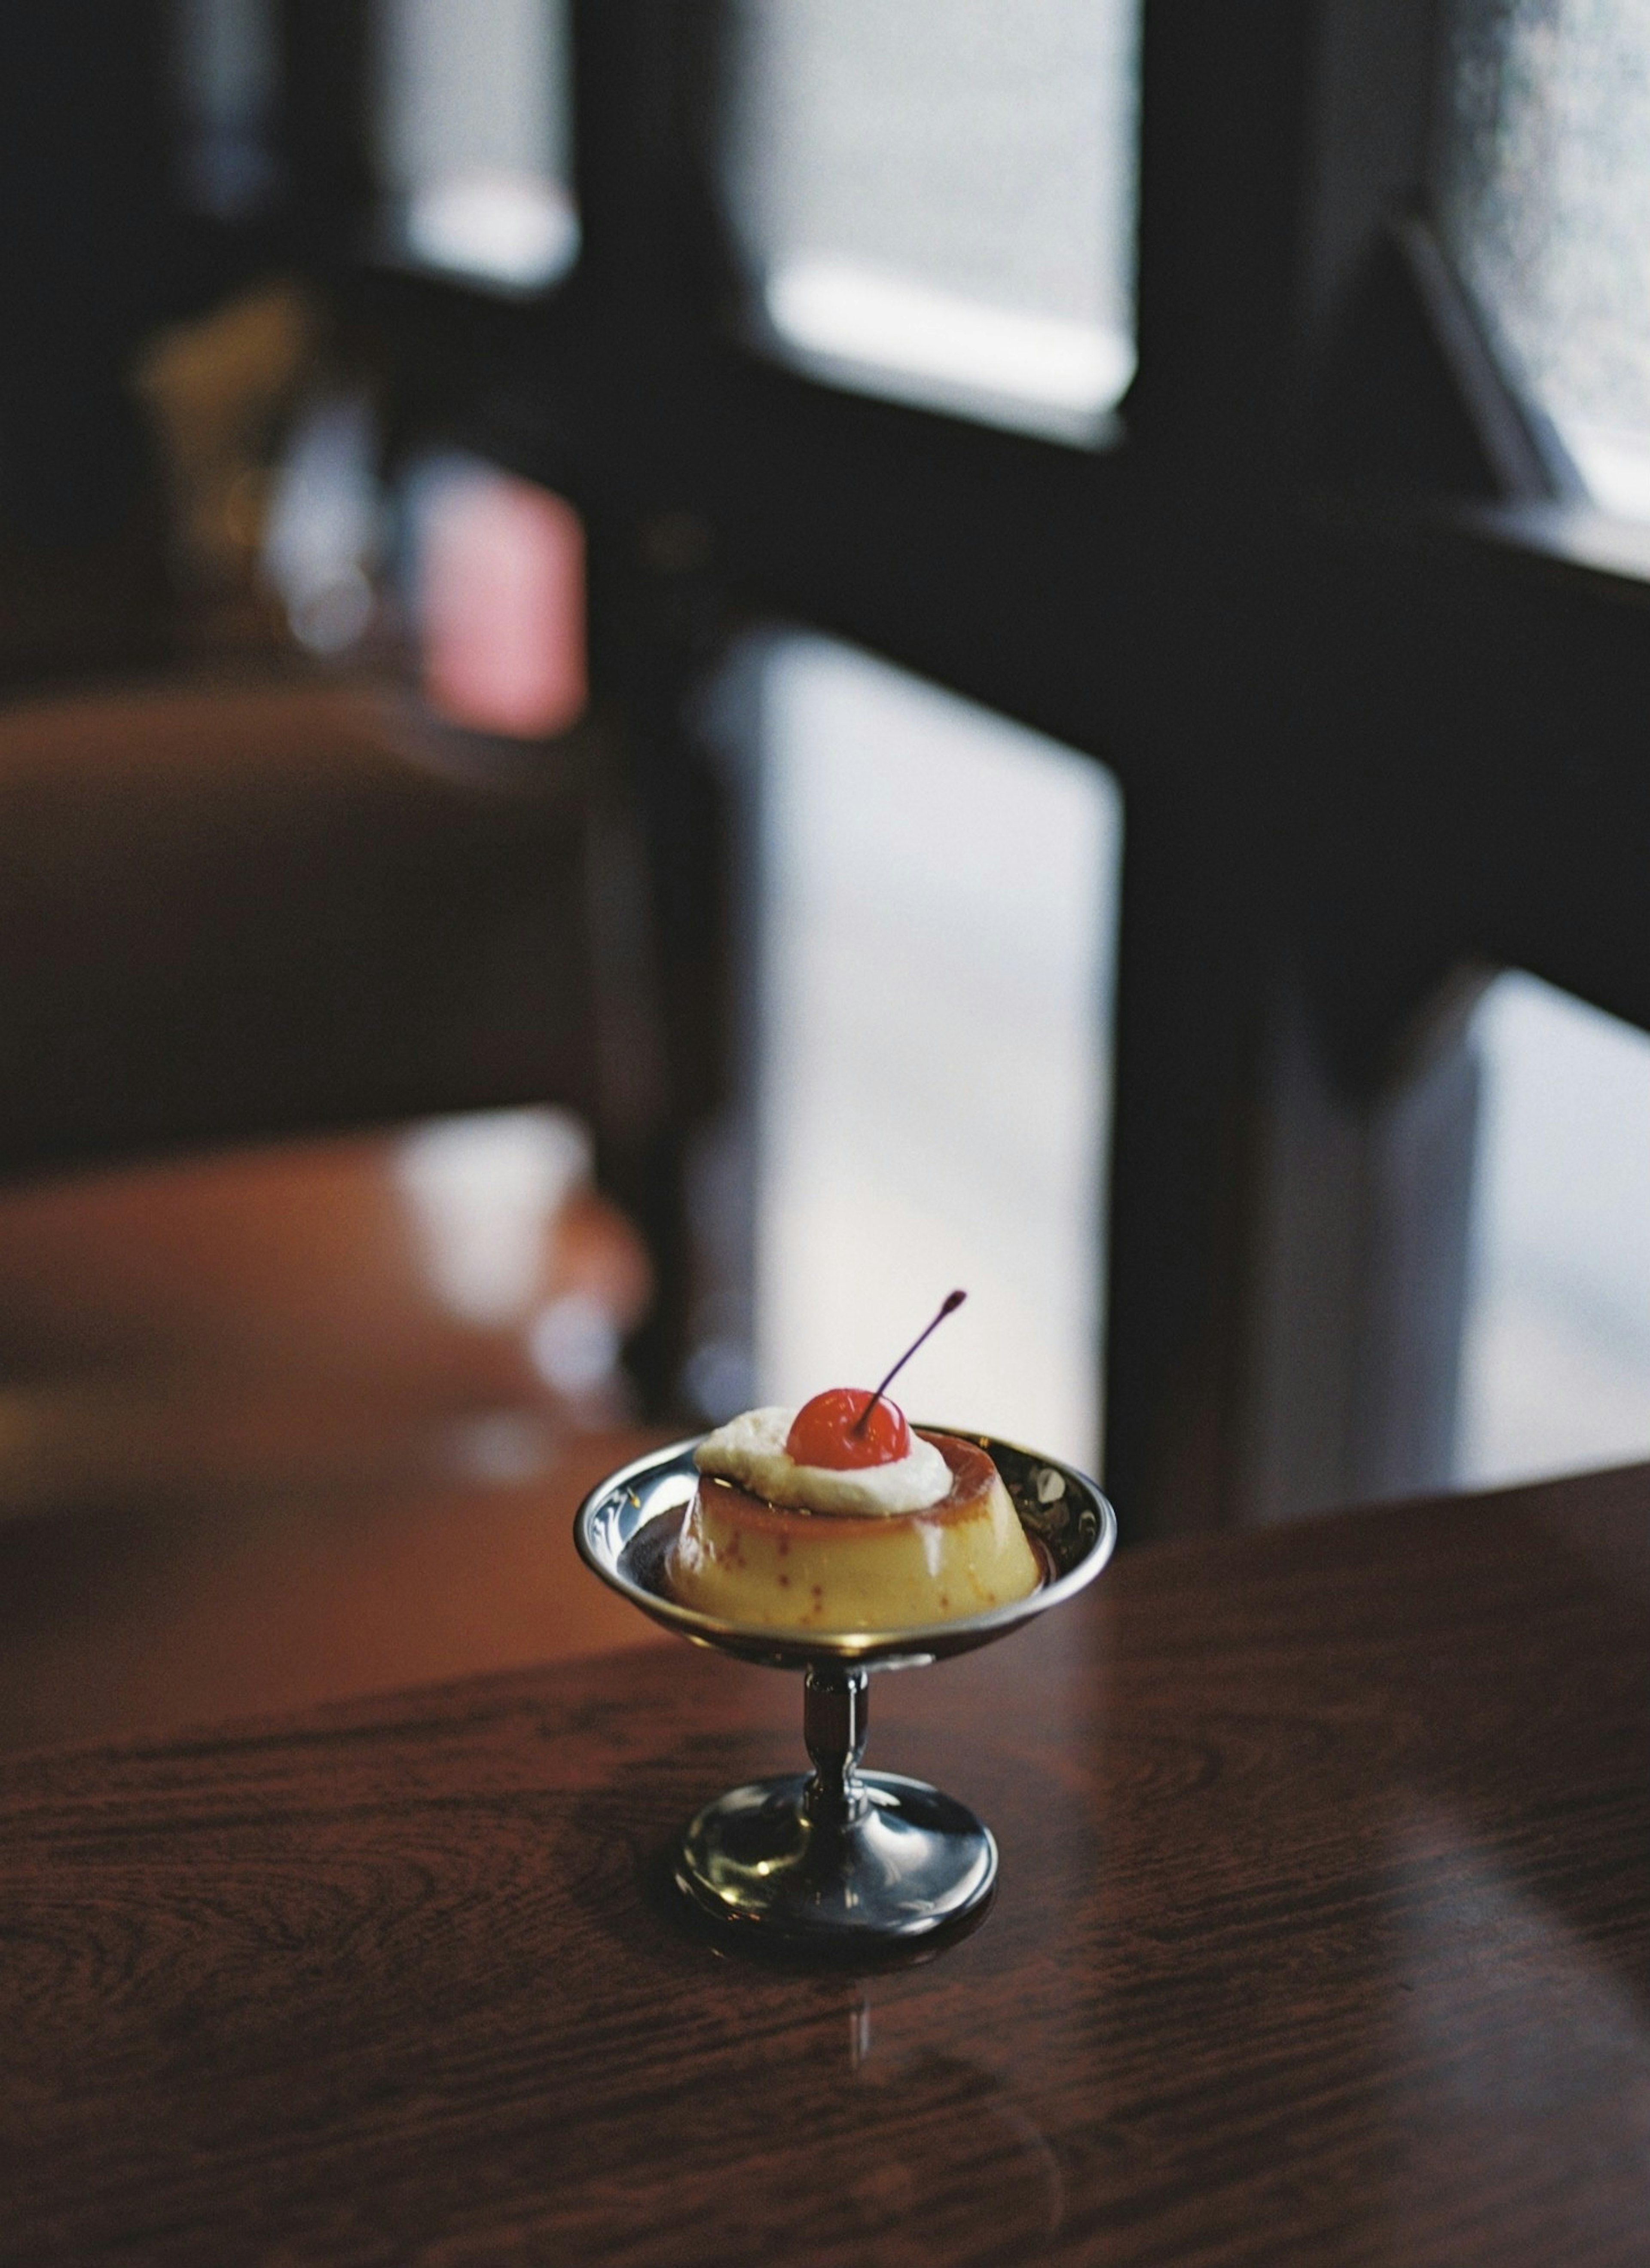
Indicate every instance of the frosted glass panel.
{"type": "Point", "coordinates": [473, 137]}
{"type": "Point", "coordinates": [1544, 195]}
{"type": "Point", "coordinates": [1555, 1371]}
{"type": "Point", "coordinates": [938, 909]}
{"type": "Point", "coordinates": [935, 198]}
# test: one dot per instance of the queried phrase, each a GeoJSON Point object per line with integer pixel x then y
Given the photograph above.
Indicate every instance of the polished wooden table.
{"type": "Point", "coordinates": [256, 1453]}
{"type": "Point", "coordinates": [1324, 1936]}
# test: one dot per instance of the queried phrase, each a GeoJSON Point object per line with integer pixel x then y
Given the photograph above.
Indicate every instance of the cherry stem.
{"type": "Point", "coordinates": [948, 1305]}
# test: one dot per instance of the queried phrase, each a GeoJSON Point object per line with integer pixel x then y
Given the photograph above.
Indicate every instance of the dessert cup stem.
{"type": "Point", "coordinates": [835, 1863]}
{"type": "Point", "coordinates": [835, 1711]}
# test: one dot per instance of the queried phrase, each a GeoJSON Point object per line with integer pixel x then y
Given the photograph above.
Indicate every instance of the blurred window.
{"type": "Point", "coordinates": [1556, 1356]}
{"type": "Point", "coordinates": [1544, 197]}
{"type": "Point", "coordinates": [935, 198]}
{"type": "Point", "coordinates": [937, 908]}
{"type": "Point", "coordinates": [228, 79]}
{"type": "Point", "coordinates": [473, 138]}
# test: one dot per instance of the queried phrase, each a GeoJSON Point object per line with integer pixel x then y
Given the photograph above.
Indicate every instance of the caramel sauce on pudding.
{"type": "Point", "coordinates": [746, 1560]}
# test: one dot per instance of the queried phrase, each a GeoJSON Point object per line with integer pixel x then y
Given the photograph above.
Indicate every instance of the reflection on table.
{"type": "Point", "coordinates": [283, 1424]}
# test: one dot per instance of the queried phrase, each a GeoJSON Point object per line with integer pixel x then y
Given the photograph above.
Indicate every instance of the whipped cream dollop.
{"type": "Point", "coordinates": [750, 1450]}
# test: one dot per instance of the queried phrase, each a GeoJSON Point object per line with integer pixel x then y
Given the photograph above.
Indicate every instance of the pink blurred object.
{"type": "Point", "coordinates": [501, 605]}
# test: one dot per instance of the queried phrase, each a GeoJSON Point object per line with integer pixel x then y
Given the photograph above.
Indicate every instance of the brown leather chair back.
{"type": "Point", "coordinates": [234, 913]}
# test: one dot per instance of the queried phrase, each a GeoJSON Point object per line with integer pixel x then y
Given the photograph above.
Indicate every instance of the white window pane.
{"type": "Point", "coordinates": [1555, 1369]}
{"type": "Point", "coordinates": [1545, 198]}
{"type": "Point", "coordinates": [473, 135]}
{"type": "Point", "coordinates": [939, 908]}
{"type": "Point", "coordinates": [936, 197]}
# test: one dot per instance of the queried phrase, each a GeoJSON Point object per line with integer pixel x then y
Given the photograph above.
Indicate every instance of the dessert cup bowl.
{"type": "Point", "coordinates": [838, 1863]}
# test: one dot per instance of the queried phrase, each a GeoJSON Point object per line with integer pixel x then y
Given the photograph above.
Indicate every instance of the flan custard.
{"type": "Point", "coordinates": [778, 1567]}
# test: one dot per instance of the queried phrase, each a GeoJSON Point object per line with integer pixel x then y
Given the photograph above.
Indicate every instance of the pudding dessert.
{"type": "Point", "coordinates": [836, 1517]}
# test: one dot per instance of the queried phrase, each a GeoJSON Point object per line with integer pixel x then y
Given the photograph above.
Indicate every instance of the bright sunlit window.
{"type": "Point", "coordinates": [1544, 192]}
{"type": "Point", "coordinates": [938, 907]}
{"type": "Point", "coordinates": [1556, 1370]}
{"type": "Point", "coordinates": [472, 139]}
{"type": "Point", "coordinates": [935, 198]}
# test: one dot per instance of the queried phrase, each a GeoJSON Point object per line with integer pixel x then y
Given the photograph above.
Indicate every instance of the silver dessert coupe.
{"type": "Point", "coordinates": [838, 1862]}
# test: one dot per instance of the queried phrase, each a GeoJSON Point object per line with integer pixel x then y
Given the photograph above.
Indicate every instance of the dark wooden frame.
{"type": "Point", "coordinates": [1372, 688]}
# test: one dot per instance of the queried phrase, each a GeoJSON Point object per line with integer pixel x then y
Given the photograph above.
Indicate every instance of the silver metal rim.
{"type": "Point", "coordinates": [1059, 1506]}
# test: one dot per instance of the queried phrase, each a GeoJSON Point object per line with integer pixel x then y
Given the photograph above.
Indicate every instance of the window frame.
{"type": "Point", "coordinates": [1376, 715]}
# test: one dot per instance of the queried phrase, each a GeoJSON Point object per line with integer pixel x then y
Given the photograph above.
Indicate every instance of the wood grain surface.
{"type": "Point", "coordinates": [1324, 1936]}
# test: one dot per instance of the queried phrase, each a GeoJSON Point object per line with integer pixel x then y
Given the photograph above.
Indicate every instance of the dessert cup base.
{"type": "Point", "coordinates": [779, 1863]}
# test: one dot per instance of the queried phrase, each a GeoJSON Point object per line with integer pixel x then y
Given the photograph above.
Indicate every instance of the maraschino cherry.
{"type": "Point", "coordinates": [845, 1427]}
{"type": "Point", "coordinates": [827, 1431]}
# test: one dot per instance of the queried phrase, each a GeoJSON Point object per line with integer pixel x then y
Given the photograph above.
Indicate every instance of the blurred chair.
{"type": "Point", "coordinates": [309, 1414]}
{"type": "Point", "coordinates": [247, 912]}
